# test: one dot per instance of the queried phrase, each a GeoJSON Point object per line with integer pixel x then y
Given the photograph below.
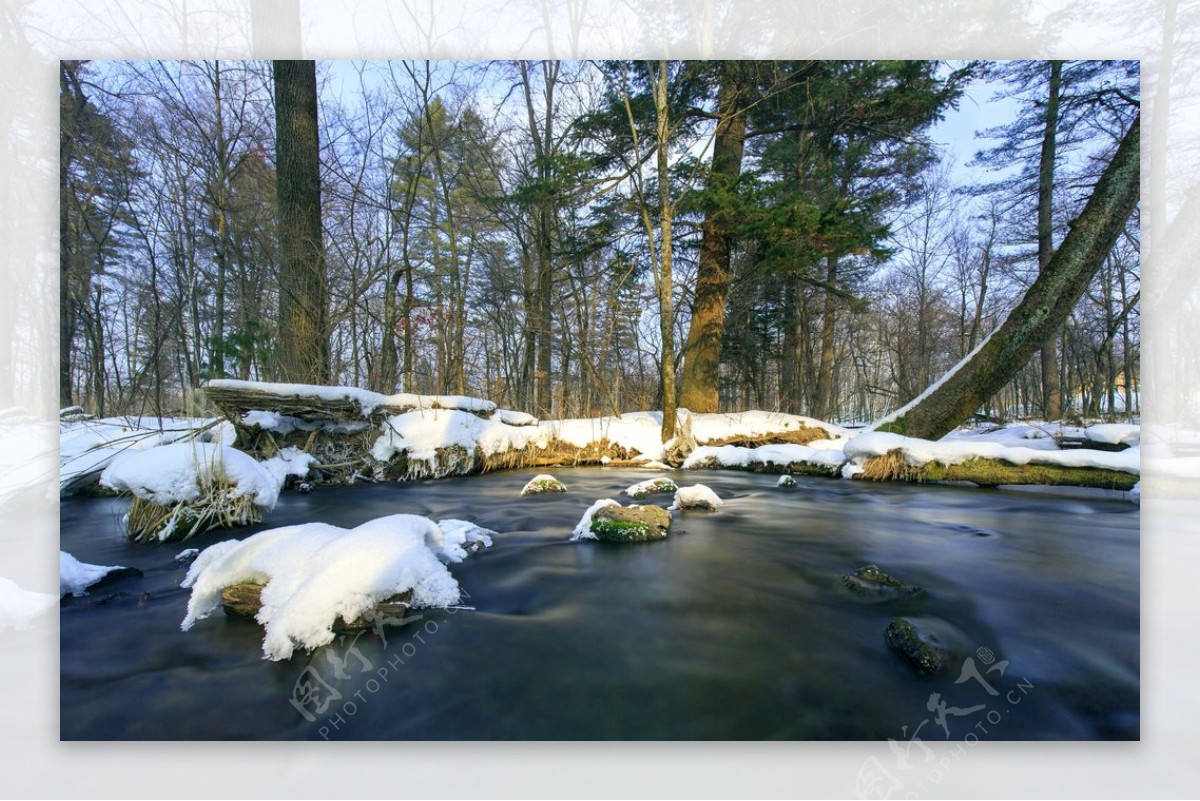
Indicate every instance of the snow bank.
{"type": "Point", "coordinates": [635, 431]}
{"type": "Point", "coordinates": [87, 447]}
{"type": "Point", "coordinates": [421, 433]}
{"type": "Point", "coordinates": [583, 530]}
{"type": "Point", "coordinates": [19, 607]}
{"type": "Point", "coordinates": [772, 456]}
{"type": "Point", "coordinates": [696, 497]}
{"type": "Point", "coordinates": [917, 452]}
{"type": "Point", "coordinates": [176, 473]}
{"type": "Point", "coordinates": [315, 573]}
{"type": "Point", "coordinates": [75, 577]}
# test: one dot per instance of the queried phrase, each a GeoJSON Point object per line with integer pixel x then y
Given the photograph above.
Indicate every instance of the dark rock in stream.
{"type": "Point", "coordinates": [631, 523]}
{"type": "Point", "coordinates": [929, 644]}
{"type": "Point", "coordinates": [873, 584]}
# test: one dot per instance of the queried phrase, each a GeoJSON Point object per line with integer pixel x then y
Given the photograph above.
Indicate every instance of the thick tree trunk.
{"type": "Point", "coordinates": [303, 351]}
{"type": "Point", "coordinates": [699, 382]}
{"type": "Point", "coordinates": [1045, 306]}
{"type": "Point", "coordinates": [1051, 386]}
{"type": "Point", "coordinates": [825, 395]}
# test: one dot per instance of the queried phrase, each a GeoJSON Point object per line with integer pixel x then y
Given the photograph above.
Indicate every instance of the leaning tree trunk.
{"type": "Point", "coordinates": [1045, 307]}
{"type": "Point", "coordinates": [303, 353]}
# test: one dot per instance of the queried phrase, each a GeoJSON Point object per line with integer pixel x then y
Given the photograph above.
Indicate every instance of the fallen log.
{"type": "Point", "coordinates": [794, 436]}
{"type": "Point", "coordinates": [244, 600]}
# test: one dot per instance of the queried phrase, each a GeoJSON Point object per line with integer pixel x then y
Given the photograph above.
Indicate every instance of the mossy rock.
{"type": "Point", "coordinates": [928, 644]}
{"type": "Point", "coordinates": [543, 483]}
{"type": "Point", "coordinates": [871, 583]}
{"type": "Point", "coordinates": [630, 523]}
{"type": "Point", "coordinates": [656, 487]}
{"type": "Point", "coordinates": [244, 600]}
{"type": "Point", "coordinates": [785, 481]}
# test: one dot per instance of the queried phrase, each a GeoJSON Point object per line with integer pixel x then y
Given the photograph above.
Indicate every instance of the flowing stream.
{"type": "Point", "coordinates": [735, 627]}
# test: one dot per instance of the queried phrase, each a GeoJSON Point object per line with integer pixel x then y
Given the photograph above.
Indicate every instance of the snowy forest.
{"type": "Point", "coordinates": [578, 238]}
{"type": "Point", "coordinates": [293, 292]}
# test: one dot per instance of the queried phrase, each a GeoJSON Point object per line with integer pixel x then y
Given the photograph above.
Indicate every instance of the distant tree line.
{"type": "Point", "coordinates": [579, 238]}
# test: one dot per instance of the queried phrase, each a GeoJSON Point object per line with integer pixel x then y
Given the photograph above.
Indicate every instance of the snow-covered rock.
{"type": "Point", "coordinates": [696, 497]}
{"type": "Point", "coordinates": [543, 483]}
{"type": "Point", "coordinates": [313, 574]}
{"type": "Point", "coordinates": [75, 577]}
{"type": "Point", "coordinates": [651, 486]}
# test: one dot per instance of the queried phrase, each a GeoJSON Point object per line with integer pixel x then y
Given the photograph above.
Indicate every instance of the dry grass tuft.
{"type": "Point", "coordinates": [888, 467]}
{"type": "Point", "coordinates": [220, 505]}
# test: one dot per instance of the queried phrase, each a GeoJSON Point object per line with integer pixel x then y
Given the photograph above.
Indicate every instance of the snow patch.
{"type": "Point", "coordinates": [1114, 433]}
{"type": "Point", "coordinates": [175, 473]}
{"type": "Point", "coordinates": [19, 607]}
{"type": "Point", "coordinates": [291, 461]}
{"type": "Point", "coordinates": [75, 577]}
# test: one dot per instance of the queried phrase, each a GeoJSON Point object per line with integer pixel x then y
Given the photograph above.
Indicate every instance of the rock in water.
{"type": "Point", "coordinates": [785, 481]}
{"type": "Point", "coordinates": [650, 487]}
{"type": "Point", "coordinates": [543, 483]}
{"type": "Point", "coordinates": [929, 644]}
{"type": "Point", "coordinates": [873, 584]}
{"type": "Point", "coordinates": [630, 523]}
{"type": "Point", "coordinates": [244, 600]}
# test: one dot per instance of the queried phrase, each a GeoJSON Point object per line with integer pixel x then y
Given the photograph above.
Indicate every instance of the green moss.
{"type": "Point", "coordinates": [625, 531]}
{"type": "Point", "coordinates": [659, 486]}
{"type": "Point", "coordinates": [993, 472]}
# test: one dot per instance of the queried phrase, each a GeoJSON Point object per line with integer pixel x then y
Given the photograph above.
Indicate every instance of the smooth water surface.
{"type": "Point", "coordinates": [735, 627]}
